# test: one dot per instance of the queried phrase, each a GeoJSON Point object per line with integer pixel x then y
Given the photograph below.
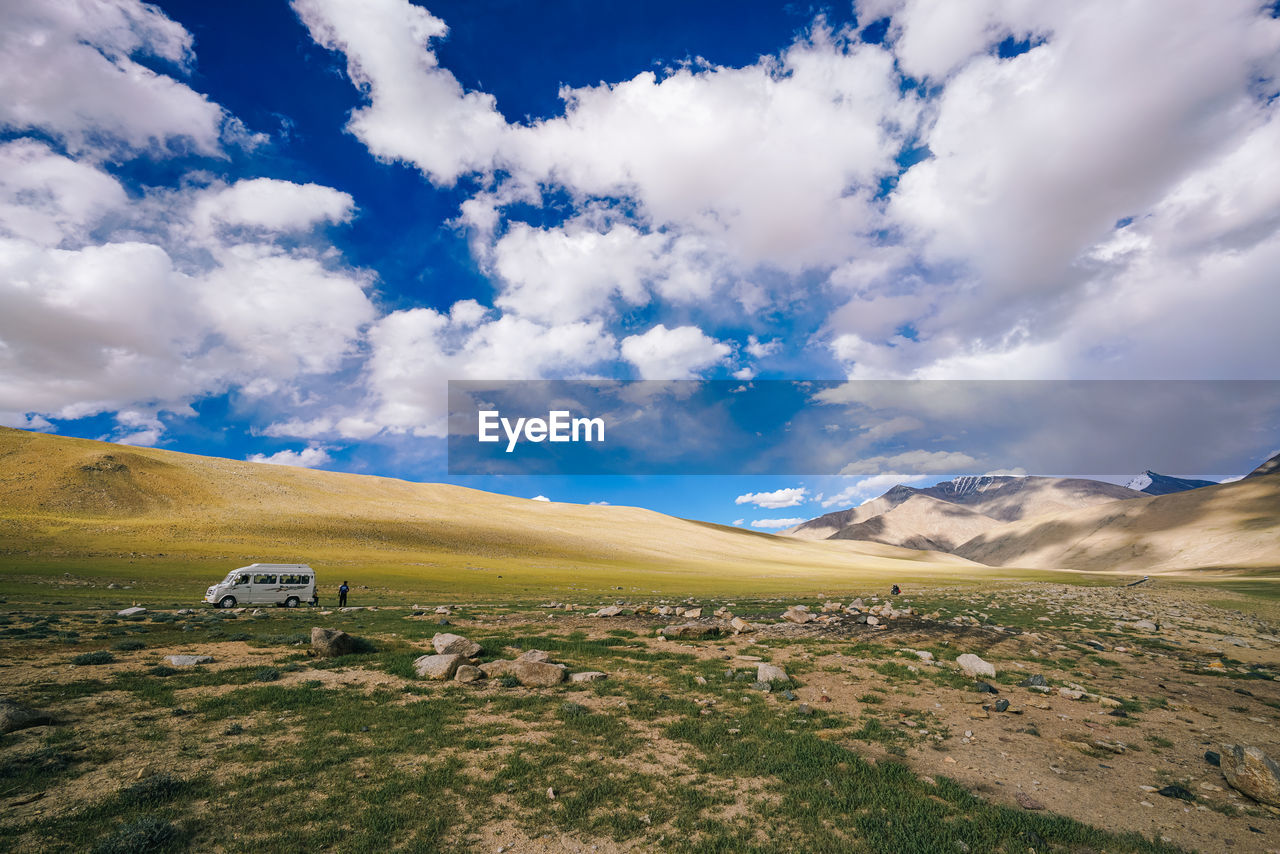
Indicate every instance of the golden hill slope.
{"type": "Point", "coordinates": [1232, 526]}
{"type": "Point", "coordinates": [75, 498]}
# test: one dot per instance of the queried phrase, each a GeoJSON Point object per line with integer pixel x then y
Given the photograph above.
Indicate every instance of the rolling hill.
{"type": "Point", "coordinates": [87, 504]}
{"type": "Point", "coordinates": [952, 512]}
{"type": "Point", "coordinates": [1231, 526]}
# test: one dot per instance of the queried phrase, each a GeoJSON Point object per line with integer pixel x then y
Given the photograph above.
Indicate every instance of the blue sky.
{"type": "Point", "coordinates": [275, 231]}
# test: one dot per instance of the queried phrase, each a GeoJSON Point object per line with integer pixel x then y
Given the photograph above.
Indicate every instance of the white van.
{"type": "Point", "coordinates": [287, 584]}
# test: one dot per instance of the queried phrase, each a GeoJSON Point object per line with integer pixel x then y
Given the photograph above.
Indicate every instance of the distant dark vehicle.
{"type": "Point", "coordinates": [895, 591]}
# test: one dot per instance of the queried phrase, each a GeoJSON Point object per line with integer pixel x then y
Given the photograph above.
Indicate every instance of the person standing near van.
{"type": "Point", "coordinates": [342, 595]}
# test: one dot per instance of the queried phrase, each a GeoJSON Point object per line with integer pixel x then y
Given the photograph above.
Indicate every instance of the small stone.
{"type": "Point", "coordinates": [438, 666]}
{"type": "Point", "coordinates": [468, 673]}
{"type": "Point", "coordinates": [693, 613]}
{"type": "Point", "coordinates": [331, 643]}
{"type": "Point", "coordinates": [985, 688]}
{"type": "Point", "coordinates": [972, 665]}
{"type": "Point", "coordinates": [1213, 758]}
{"type": "Point", "coordinates": [740, 626]}
{"type": "Point", "coordinates": [1002, 705]}
{"type": "Point", "coordinates": [1027, 802]}
{"type": "Point", "coordinates": [690, 631]}
{"type": "Point", "coordinates": [798, 614]}
{"type": "Point", "coordinates": [1175, 791]}
{"type": "Point", "coordinates": [1070, 694]}
{"type": "Point", "coordinates": [771, 673]}
{"type": "Point", "coordinates": [538, 674]}
{"type": "Point", "coordinates": [448, 644]}
{"type": "Point", "coordinates": [1033, 681]}
{"type": "Point", "coordinates": [607, 611]}
{"type": "Point", "coordinates": [534, 655]}
{"type": "Point", "coordinates": [551, 793]}
{"type": "Point", "coordinates": [588, 676]}
{"type": "Point", "coordinates": [15, 716]}
{"type": "Point", "coordinates": [700, 680]}
{"type": "Point", "coordinates": [131, 612]}
{"type": "Point", "coordinates": [189, 660]}
{"type": "Point", "coordinates": [789, 696]}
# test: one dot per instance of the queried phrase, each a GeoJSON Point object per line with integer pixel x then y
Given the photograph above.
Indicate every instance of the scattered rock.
{"type": "Point", "coordinates": [468, 673]}
{"type": "Point", "coordinates": [693, 613]}
{"type": "Point", "coordinates": [1033, 681]}
{"type": "Point", "coordinates": [331, 643]}
{"type": "Point", "coordinates": [538, 674]}
{"type": "Point", "coordinates": [1251, 772]}
{"type": "Point", "coordinates": [1027, 802]}
{"type": "Point", "coordinates": [769, 673]}
{"type": "Point", "coordinates": [740, 626]}
{"type": "Point", "coordinates": [131, 612]}
{"type": "Point", "coordinates": [972, 665]}
{"type": "Point", "coordinates": [1002, 705]}
{"type": "Point", "coordinates": [447, 644]}
{"type": "Point", "coordinates": [1213, 758]}
{"type": "Point", "coordinates": [690, 631]}
{"type": "Point", "coordinates": [1175, 791]}
{"type": "Point", "coordinates": [16, 716]}
{"type": "Point", "coordinates": [798, 614]}
{"type": "Point", "coordinates": [501, 667]}
{"type": "Point", "coordinates": [588, 676]}
{"type": "Point", "coordinates": [1070, 693]}
{"type": "Point", "coordinates": [534, 655]}
{"type": "Point", "coordinates": [188, 660]}
{"type": "Point", "coordinates": [985, 688]}
{"type": "Point", "coordinates": [608, 611]}
{"type": "Point", "coordinates": [438, 666]}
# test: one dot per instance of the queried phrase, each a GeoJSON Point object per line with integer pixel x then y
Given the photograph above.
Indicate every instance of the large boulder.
{"type": "Point", "coordinates": [1251, 772]}
{"type": "Point", "coordinates": [438, 666]}
{"type": "Point", "coordinates": [15, 716]}
{"type": "Point", "coordinates": [501, 667]}
{"type": "Point", "coordinates": [690, 631]}
{"type": "Point", "coordinates": [538, 674]}
{"type": "Point", "coordinates": [974, 666]}
{"type": "Point", "coordinates": [447, 644]}
{"type": "Point", "coordinates": [608, 611]}
{"type": "Point", "coordinates": [740, 626]}
{"type": "Point", "coordinates": [331, 643]}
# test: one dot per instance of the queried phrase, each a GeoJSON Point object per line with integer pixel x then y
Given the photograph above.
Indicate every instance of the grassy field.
{"type": "Point", "coordinates": [285, 753]}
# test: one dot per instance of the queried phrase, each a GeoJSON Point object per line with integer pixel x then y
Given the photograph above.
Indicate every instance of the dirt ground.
{"type": "Point", "coordinates": [1205, 678]}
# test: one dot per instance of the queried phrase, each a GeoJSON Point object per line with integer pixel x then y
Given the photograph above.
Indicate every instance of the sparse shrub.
{"type": "Point", "coordinates": [98, 657]}
{"type": "Point", "coordinates": [266, 674]}
{"type": "Point", "coordinates": [234, 729]}
{"type": "Point", "coordinates": [508, 681]}
{"type": "Point", "coordinates": [239, 636]}
{"type": "Point", "coordinates": [162, 670]}
{"type": "Point", "coordinates": [143, 836]}
{"type": "Point", "coordinates": [574, 710]}
{"type": "Point", "coordinates": [128, 645]}
{"type": "Point", "coordinates": [156, 789]}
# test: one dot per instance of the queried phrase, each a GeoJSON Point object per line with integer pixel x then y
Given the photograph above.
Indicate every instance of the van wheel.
{"type": "Point", "coordinates": [291, 602]}
{"type": "Point", "coordinates": [227, 602]}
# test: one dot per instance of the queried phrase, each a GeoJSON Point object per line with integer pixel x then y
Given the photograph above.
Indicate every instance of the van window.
{"type": "Point", "coordinates": [264, 579]}
{"type": "Point", "coordinates": [242, 579]}
{"type": "Point", "coordinates": [295, 579]}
